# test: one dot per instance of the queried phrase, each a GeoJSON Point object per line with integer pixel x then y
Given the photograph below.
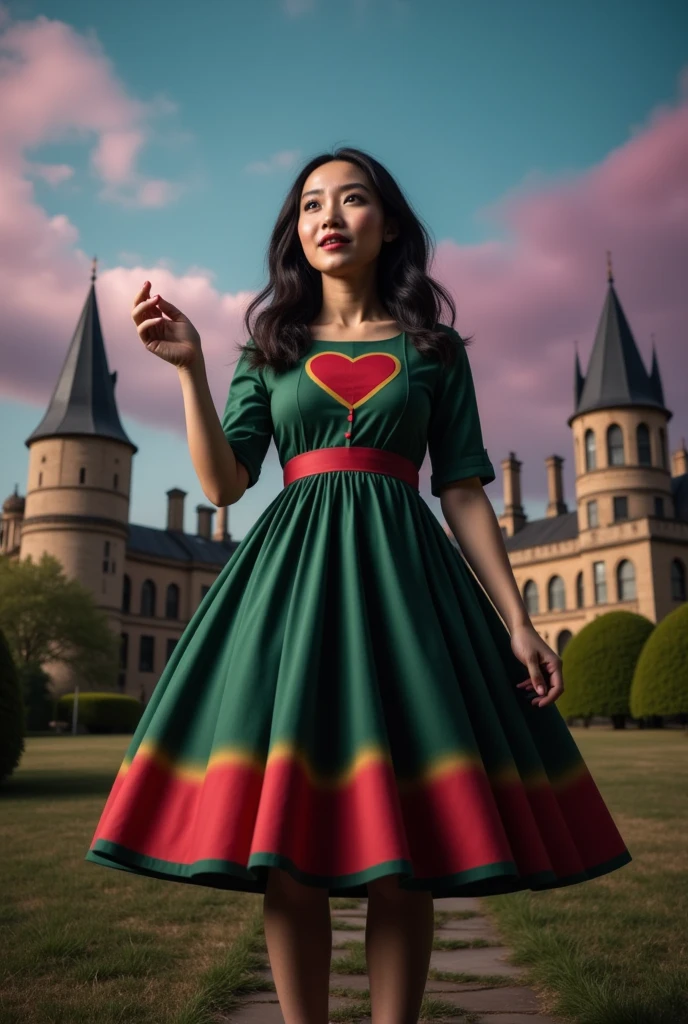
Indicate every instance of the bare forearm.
{"type": "Point", "coordinates": [473, 522]}
{"type": "Point", "coordinates": [211, 453]}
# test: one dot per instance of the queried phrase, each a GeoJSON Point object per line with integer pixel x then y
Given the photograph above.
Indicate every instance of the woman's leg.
{"type": "Point", "coordinates": [400, 927]}
{"type": "Point", "coordinates": [298, 935]}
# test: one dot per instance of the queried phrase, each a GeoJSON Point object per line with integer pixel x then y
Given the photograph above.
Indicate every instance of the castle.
{"type": "Point", "coordinates": [625, 545]}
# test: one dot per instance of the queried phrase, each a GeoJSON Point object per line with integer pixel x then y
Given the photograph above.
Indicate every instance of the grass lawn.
{"type": "Point", "coordinates": [614, 950]}
{"type": "Point", "coordinates": [84, 943]}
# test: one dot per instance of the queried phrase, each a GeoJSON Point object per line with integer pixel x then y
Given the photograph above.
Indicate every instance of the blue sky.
{"type": "Point", "coordinates": [466, 104]}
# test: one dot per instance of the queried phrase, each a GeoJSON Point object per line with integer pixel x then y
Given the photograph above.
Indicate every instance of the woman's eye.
{"type": "Point", "coordinates": [351, 194]}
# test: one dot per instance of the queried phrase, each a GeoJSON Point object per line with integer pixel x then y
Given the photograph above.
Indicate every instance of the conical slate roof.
{"type": "Point", "coordinates": [83, 401]}
{"type": "Point", "coordinates": [616, 373]}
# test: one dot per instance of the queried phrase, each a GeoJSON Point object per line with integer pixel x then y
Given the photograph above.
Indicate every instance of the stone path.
{"type": "Point", "coordinates": [485, 999]}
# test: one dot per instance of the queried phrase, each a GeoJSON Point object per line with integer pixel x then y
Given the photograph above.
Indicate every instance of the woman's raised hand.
{"type": "Point", "coordinates": [175, 340]}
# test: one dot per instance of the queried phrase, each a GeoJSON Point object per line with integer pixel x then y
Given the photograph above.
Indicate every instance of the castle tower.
{"type": "Point", "coordinates": [10, 527]}
{"type": "Point", "coordinates": [79, 475]}
{"type": "Point", "coordinates": [619, 428]}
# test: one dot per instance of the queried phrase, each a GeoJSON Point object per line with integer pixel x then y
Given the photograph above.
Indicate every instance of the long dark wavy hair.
{"type": "Point", "coordinates": [280, 332]}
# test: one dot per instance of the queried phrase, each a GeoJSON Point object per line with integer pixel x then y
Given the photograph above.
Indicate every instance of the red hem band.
{"type": "Point", "coordinates": [371, 460]}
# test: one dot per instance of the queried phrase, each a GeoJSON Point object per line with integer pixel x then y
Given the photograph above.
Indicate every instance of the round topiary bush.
{"type": "Point", "coordinates": [12, 716]}
{"type": "Point", "coordinates": [660, 681]}
{"type": "Point", "coordinates": [102, 712]}
{"type": "Point", "coordinates": [598, 665]}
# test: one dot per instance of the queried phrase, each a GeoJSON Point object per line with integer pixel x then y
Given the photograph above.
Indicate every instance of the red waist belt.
{"type": "Point", "coordinates": [371, 460]}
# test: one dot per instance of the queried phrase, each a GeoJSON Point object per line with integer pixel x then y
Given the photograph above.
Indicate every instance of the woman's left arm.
{"type": "Point", "coordinates": [472, 520]}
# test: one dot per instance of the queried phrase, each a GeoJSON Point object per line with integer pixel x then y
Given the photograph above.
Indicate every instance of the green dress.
{"type": "Point", "coordinates": [342, 704]}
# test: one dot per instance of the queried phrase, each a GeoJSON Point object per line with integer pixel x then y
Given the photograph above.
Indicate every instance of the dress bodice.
{"type": "Point", "coordinates": [377, 394]}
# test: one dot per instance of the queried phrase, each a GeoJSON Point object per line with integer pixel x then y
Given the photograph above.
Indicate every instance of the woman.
{"type": "Point", "coordinates": [348, 711]}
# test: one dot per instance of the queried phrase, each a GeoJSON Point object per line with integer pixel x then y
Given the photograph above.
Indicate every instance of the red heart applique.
{"type": "Point", "coordinates": [352, 380]}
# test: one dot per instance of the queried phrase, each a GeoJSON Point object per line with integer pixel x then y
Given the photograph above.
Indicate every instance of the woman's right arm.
{"type": "Point", "coordinates": [169, 334]}
{"type": "Point", "coordinates": [223, 478]}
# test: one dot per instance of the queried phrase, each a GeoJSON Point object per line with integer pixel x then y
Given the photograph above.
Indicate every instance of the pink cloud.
{"type": "Point", "coordinates": [57, 85]}
{"type": "Point", "coordinates": [527, 300]}
{"type": "Point", "coordinates": [53, 174]}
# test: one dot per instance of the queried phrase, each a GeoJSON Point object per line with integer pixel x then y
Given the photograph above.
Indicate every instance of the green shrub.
{"type": "Point", "coordinates": [598, 665]}
{"type": "Point", "coordinates": [102, 712]}
{"type": "Point", "coordinates": [660, 681]}
{"type": "Point", "coordinates": [12, 713]}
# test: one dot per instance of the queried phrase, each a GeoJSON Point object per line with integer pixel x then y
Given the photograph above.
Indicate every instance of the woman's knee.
{"type": "Point", "coordinates": [386, 887]}
{"type": "Point", "coordinates": [281, 881]}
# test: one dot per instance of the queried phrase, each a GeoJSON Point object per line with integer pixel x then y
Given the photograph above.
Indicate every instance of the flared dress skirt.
{"type": "Point", "coordinates": [343, 702]}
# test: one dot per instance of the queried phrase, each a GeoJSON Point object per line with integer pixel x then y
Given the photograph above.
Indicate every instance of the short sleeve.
{"type": "Point", "coordinates": [247, 421]}
{"type": "Point", "coordinates": [455, 440]}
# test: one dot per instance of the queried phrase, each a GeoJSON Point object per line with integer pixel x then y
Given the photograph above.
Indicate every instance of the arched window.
{"type": "Point", "coordinates": [678, 580]}
{"type": "Point", "coordinates": [590, 450]}
{"type": "Point", "coordinates": [662, 448]}
{"type": "Point", "coordinates": [625, 580]}
{"type": "Point", "coordinates": [530, 597]}
{"type": "Point", "coordinates": [562, 640]}
{"type": "Point", "coordinates": [556, 594]}
{"type": "Point", "coordinates": [126, 593]}
{"type": "Point", "coordinates": [148, 598]}
{"type": "Point", "coordinates": [615, 446]}
{"type": "Point", "coordinates": [580, 592]}
{"type": "Point", "coordinates": [599, 576]}
{"type": "Point", "coordinates": [642, 436]}
{"type": "Point", "coordinates": [172, 602]}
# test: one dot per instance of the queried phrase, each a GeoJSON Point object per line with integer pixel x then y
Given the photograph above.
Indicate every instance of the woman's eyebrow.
{"type": "Point", "coordinates": [351, 184]}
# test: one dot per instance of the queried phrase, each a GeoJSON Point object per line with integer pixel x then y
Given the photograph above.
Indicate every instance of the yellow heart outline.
{"type": "Point", "coordinates": [353, 359]}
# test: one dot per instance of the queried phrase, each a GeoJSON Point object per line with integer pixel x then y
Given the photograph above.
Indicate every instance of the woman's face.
{"type": "Point", "coordinates": [340, 197]}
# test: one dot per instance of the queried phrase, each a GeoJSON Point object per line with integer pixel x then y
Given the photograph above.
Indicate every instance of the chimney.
{"type": "Point", "coordinates": [221, 531]}
{"type": "Point", "coordinates": [204, 520]}
{"type": "Point", "coordinates": [513, 517]}
{"type": "Point", "coordinates": [555, 486]}
{"type": "Point", "coordinates": [679, 460]}
{"type": "Point", "coordinates": [175, 509]}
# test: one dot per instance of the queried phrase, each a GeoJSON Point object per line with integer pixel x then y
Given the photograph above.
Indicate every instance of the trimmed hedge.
{"type": "Point", "coordinates": [102, 712]}
{"type": "Point", "coordinates": [660, 681]}
{"type": "Point", "coordinates": [12, 713]}
{"type": "Point", "coordinates": [598, 664]}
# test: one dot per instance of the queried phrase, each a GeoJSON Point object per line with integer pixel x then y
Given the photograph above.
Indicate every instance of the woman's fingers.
{"type": "Point", "coordinates": [556, 681]}
{"type": "Point", "coordinates": [535, 673]}
{"type": "Point", "coordinates": [144, 308]}
{"type": "Point", "coordinates": [141, 295]}
{"type": "Point", "coordinates": [146, 326]}
{"type": "Point", "coordinates": [172, 311]}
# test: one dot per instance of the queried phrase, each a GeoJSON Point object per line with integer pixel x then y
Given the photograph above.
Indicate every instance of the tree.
{"type": "Point", "coordinates": [38, 702]}
{"type": "Point", "coordinates": [598, 665]}
{"type": "Point", "coordinates": [660, 681]}
{"type": "Point", "coordinates": [12, 717]}
{"type": "Point", "coordinates": [48, 617]}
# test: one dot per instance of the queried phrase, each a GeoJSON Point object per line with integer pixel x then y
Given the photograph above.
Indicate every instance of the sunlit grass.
{"type": "Point", "coordinates": [613, 950]}
{"type": "Point", "coordinates": [83, 942]}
